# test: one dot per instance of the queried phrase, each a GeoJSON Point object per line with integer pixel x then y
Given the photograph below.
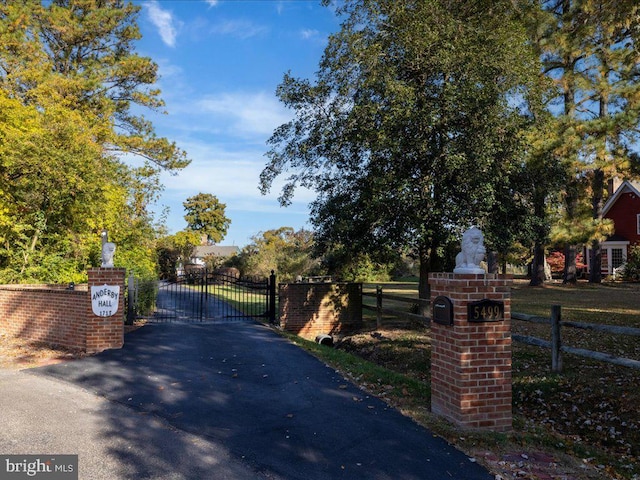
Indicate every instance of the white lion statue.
{"type": "Point", "coordinates": [473, 251]}
{"type": "Point", "coordinates": [108, 251]}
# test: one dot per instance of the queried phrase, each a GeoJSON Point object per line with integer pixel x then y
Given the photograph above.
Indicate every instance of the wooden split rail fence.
{"type": "Point", "coordinates": [557, 348]}
{"type": "Point", "coordinates": [405, 318]}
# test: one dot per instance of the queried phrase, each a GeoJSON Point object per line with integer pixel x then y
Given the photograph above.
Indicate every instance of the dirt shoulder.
{"type": "Point", "coordinates": [18, 353]}
{"type": "Point", "coordinates": [531, 451]}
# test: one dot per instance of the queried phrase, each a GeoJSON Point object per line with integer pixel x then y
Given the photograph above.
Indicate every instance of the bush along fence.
{"type": "Point", "coordinates": [557, 348]}
{"type": "Point", "coordinates": [140, 298]}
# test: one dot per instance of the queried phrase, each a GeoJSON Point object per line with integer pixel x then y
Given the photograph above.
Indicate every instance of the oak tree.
{"type": "Point", "coordinates": [206, 215]}
{"type": "Point", "coordinates": [410, 125]}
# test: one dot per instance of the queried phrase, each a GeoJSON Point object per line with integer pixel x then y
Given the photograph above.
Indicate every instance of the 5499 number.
{"type": "Point", "coordinates": [485, 311]}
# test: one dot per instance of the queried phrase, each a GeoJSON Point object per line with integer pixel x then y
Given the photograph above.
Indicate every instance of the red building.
{"type": "Point", "coordinates": [623, 207]}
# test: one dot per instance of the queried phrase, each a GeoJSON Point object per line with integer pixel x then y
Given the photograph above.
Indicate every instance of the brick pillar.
{"type": "Point", "coordinates": [471, 361]}
{"type": "Point", "coordinates": [106, 332]}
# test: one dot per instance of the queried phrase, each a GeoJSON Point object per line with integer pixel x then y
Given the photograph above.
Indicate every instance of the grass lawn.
{"type": "Point", "coordinates": [249, 302]}
{"type": "Point", "coordinates": [588, 412]}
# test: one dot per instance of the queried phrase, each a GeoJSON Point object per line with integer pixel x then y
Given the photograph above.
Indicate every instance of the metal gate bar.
{"type": "Point", "coordinates": [200, 296]}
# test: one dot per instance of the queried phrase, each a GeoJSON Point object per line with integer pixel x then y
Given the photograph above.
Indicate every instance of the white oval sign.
{"type": "Point", "coordinates": [105, 300]}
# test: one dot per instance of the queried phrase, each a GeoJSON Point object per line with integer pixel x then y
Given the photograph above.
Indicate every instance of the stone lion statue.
{"type": "Point", "coordinates": [473, 251]}
{"type": "Point", "coordinates": [108, 251]}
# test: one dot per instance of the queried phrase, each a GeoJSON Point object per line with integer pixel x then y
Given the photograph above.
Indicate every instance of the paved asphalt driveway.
{"type": "Point", "coordinates": [275, 409]}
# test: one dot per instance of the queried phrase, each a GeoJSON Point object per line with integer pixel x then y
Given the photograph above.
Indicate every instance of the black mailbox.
{"type": "Point", "coordinates": [443, 311]}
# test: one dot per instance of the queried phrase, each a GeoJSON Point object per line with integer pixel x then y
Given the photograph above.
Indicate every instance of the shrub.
{"type": "Point", "coordinates": [632, 265]}
{"type": "Point", "coordinates": [556, 259]}
{"type": "Point", "coordinates": [146, 293]}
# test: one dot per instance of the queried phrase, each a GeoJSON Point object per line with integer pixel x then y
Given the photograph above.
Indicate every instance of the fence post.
{"type": "Point", "coordinates": [556, 340]}
{"type": "Point", "coordinates": [131, 297]}
{"type": "Point", "coordinates": [205, 281]}
{"type": "Point", "coordinates": [272, 297]}
{"type": "Point", "coordinates": [379, 306]}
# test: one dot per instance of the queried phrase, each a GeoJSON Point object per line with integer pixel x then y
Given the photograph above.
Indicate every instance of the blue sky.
{"type": "Point", "coordinates": [220, 63]}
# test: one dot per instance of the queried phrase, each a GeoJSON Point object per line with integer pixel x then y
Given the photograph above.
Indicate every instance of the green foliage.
{"type": "Point", "coordinates": [410, 129]}
{"type": "Point", "coordinates": [49, 269]}
{"type": "Point", "coordinates": [147, 292]}
{"type": "Point", "coordinates": [69, 79]}
{"type": "Point", "coordinates": [205, 214]}
{"type": "Point", "coordinates": [168, 258]}
{"type": "Point", "coordinates": [289, 253]}
{"type": "Point", "coordinates": [138, 260]}
{"type": "Point", "coordinates": [632, 265]}
{"type": "Point", "coordinates": [343, 265]}
{"type": "Point", "coordinates": [176, 250]}
{"type": "Point", "coordinates": [589, 51]}
{"type": "Point", "coordinates": [80, 55]}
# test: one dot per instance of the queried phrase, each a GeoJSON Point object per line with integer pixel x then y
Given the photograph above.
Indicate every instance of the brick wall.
{"type": "Point", "coordinates": [44, 313]}
{"type": "Point", "coordinates": [471, 362]}
{"type": "Point", "coordinates": [57, 316]}
{"type": "Point", "coordinates": [311, 309]}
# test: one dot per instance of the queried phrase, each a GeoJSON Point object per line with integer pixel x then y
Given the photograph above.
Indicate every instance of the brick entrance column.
{"type": "Point", "coordinates": [106, 332]}
{"type": "Point", "coordinates": [471, 361]}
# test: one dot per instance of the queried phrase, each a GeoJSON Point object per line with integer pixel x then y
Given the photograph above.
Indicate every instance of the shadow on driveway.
{"type": "Point", "coordinates": [273, 406]}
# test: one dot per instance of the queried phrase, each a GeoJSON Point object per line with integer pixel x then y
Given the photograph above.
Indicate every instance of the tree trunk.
{"type": "Point", "coordinates": [26, 254]}
{"type": "Point", "coordinates": [570, 275]}
{"type": "Point", "coordinates": [424, 289]}
{"type": "Point", "coordinates": [537, 267]}
{"type": "Point", "coordinates": [595, 273]}
{"type": "Point", "coordinates": [572, 194]}
{"type": "Point", "coordinates": [492, 262]}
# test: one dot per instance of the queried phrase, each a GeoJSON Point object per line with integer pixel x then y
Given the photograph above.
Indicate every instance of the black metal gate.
{"type": "Point", "coordinates": [201, 295]}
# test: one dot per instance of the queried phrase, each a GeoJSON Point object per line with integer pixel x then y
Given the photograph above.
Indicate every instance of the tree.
{"type": "Point", "coordinates": [288, 252]}
{"type": "Point", "coordinates": [589, 48]}
{"type": "Point", "coordinates": [409, 126]}
{"type": "Point", "coordinates": [48, 182]}
{"type": "Point", "coordinates": [173, 251]}
{"type": "Point", "coordinates": [343, 265]}
{"type": "Point", "coordinates": [69, 81]}
{"type": "Point", "coordinates": [612, 104]}
{"type": "Point", "coordinates": [574, 225]}
{"type": "Point", "coordinates": [557, 34]}
{"type": "Point", "coordinates": [205, 214]}
{"type": "Point", "coordinates": [80, 54]}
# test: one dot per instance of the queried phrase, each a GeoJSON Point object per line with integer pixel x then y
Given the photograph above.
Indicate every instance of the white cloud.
{"type": "Point", "coordinates": [164, 22]}
{"type": "Point", "coordinates": [233, 176]}
{"type": "Point", "coordinates": [308, 34]}
{"type": "Point", "coordinates": [242, 29]}
{"type": "Point", "coordinates": [212, 3]}
{"type": "Point", "coordinates": [246, 113]}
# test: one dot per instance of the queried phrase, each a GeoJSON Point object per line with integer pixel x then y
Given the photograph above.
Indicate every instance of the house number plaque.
{"type": "Point", "coordinates": [485, 311]}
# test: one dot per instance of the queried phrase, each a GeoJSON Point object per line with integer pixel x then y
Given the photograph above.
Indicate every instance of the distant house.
{"type": "Point", "coordinates": [201, 252]}
{"type": "Point", "coordinates": [623, 207]}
